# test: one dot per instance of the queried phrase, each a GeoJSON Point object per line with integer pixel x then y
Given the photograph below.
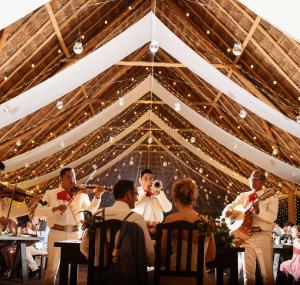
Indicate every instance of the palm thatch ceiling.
{"type": "Point", "coordinates": [40, 45]}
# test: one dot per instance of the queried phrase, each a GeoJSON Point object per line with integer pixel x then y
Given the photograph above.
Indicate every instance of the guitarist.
{"type": "Point", "coordinates": [259, 244]}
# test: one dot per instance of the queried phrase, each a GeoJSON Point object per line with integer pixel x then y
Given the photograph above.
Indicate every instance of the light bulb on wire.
{"type": "Point", "coordinates": [243, 114]}
{"type": "Point", "coordinates": [154, 46]}
{"type": "Point", "coordinates": [237, 49]}
{"type": "Point", "coordinates": [78, 48]}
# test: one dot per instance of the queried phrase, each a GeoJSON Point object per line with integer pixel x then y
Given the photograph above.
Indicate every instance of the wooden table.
{"type": "Point", "coordinates": [70, 254]}
{"type": "Point", "coordinates": [227, 257]}
{"type": "Point", "coordinates": [21, 251]}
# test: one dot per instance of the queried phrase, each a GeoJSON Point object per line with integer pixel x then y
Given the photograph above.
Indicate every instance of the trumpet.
{"type": "Point", "coordinates": [157, 185]}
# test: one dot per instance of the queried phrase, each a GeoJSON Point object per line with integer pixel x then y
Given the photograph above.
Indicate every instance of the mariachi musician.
{"type": "Point", "coordinates": [259, 243]}
{"type": "Point", "coordinates": [6, 193]}
{"type": "Point", "coordinates": [64, 216]}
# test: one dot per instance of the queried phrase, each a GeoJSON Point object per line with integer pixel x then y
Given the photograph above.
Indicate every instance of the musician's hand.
{"type": "Point", "coordinates": [60, 208]}
{"type": "Point", "coordinates": [99, 191]}
{"type": "Point", "coordinates": [155, 192]}
{"type": "Point", "coordinates": [227, 213]}
{"type": "Point", "coordinates": [255, 206]}
{"type": "Point", "coordinates": [3, 221]}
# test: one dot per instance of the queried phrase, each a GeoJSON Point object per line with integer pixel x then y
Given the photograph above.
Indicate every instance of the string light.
{"type": "Point", "coordinates": [237, 49]}
{"type": "Point", "coordinates": [59, 105]}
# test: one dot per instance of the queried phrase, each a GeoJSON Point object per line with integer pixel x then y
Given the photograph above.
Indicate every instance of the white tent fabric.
{"type": "Point", "coordinates": [79, 132]}
{"type": "Point", "coordinates": [184, 54]}
{"type": "Point", "coordinates": [283, 15]}
{"type": "Point", "coordinates": [90, 155]}
{"type": "Point", "coordinates": [130, 40]}
{"type": "Point", "coordinates": [234, 144]}
{"type": "Point", "coordinates": [13, 10]}
{"type": "Point", "coordinates": [77, 74]}
{"type": "Point", "coordinates": [199, 153]}
{"type": "Point", "coordinates": [250, 153]}
{"type": "Point", "coordinates": [116, 159]}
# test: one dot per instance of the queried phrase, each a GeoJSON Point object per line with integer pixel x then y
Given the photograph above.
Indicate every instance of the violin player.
{"type": "Point", "coordinates": [259, 244]}
{"type": "Point", "coordinates": [63, 216]}
{"type": "Point", "coordinates": [5, 198]}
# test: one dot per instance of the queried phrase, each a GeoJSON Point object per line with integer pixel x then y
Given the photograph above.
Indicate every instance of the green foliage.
{"type": "Point", "coordinates": [223, 237]}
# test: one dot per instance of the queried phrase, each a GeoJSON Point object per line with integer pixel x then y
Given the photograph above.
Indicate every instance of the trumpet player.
{"type": "Point", "coordinates": [152, 201]}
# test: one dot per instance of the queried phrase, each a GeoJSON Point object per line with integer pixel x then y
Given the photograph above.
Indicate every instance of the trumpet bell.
{"type": "Point", "coordinates": [157, 184]}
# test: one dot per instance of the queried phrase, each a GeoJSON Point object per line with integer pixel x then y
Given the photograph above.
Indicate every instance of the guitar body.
{"type": "Point", "coordinates": [240, 219]}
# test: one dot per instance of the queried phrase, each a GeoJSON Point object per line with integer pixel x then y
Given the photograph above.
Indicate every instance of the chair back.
{"type": "Point", "coordinates": [102, 249]}
{"type": "Point", "coordinates": [178, 233]}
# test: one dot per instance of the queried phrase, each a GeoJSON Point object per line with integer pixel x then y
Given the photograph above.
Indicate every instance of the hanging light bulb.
{"type": "Point", "coordinates": [200, 170]}
{"type": "Point", "coordinates": [177, 107]}
{"type": "Point", "coordinates": [18, 142]}
{"type": "Point", "coordinates": [237, 49]}
{"type": "Point", "coordinates": [59, 105]}
{"type": "Point", "coordinates": [165, 164]}
{"type": "Point", "coordinates": [192, 140]}
{"type": "Point", "coordinates": [121, 102]}
{"type": "Point", "coordinates": [150, 140]}
{"type": "Point", "coordinates": [6, 109]}
{"type": "Point", "coordinates": [111, 139]}
{"type": "Point", "coordinates": [154, 46]}
{"type": "Point", "coordinates": [62, 144]}
{"type": "Point", "coordinates": [131, 162]}
{"type": "Point", "coordinates": [243, 114]}
{"type": "Point", "coordinates": [119, 176]}
{"type": "Point", "coordinates": [94, 166]}
{"type": "Point", "coordinates": [78, 48]}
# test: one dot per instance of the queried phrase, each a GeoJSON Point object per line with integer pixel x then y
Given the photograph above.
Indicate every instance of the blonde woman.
{"type": "Point", "coordinates": [185, 193]}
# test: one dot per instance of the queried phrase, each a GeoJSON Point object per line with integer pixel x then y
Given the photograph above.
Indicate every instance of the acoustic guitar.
{"type": "Point", "coordinates": [240, 219]}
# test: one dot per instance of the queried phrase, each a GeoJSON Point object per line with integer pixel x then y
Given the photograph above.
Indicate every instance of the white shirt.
{"type": "Point", "coordinates": [152, 207]}
{"type": "Point", "coordinates": [119, 211]}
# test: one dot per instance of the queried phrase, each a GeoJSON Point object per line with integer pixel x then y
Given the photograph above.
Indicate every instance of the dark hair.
{"type": "Point", "coordinates": [64, 170]}
{"type": "Point", "coordinates": [259, 175]}
{"type": "Point", "coordinates": [185, 190]}
{"type": "Point", "coordinates": [122, 187]}
{"type": "Point", "coordinates": [146, 171]}
{"type": "Point", "coordinates": [2, 165]}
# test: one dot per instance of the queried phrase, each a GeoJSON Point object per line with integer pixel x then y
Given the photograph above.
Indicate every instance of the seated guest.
{"type": "Point", "coordinates": [8, 251]}
{"type": "Point", "coordinates": [37, 228]}
{"type": "Point", "coordinates": [125, 194]}
{"type": "Point", "coordinates": [292, 266]}
{"type": "Point", "coordinates": [185, 193]}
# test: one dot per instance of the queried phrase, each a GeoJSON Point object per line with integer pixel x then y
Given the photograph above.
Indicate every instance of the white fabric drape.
{"type": "Point", "coordinates": [184, 54]}
{"type": "Point", "coordinates": [79, 132]}
{"type": "Point", "coordinates": [282, 15]}
{"type": "Point", "coordinates": [118, 48]}
{"type": "Point", "coordinates": [77, 74]}
{"type": "Point", "coordinates": [13, 10]}
{"type": "Point", "coordinates": [116, 159]}
{"type": "Point", "coordinates": [90, 155]}
{"type": "Point", "coordinates": [250, 153]}
{"type": "Point", "coordinates": [232, 143]}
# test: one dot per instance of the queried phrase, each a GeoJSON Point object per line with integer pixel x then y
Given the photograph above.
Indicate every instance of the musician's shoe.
{"type": "Point", "coordinates": [35, 275]}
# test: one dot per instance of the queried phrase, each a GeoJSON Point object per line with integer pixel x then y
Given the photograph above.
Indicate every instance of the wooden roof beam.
{"type": "Point", "coordinates": [245, 42]}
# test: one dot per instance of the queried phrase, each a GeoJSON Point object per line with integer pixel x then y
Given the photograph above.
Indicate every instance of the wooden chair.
{"type": "Point", "coordinates": [43, 263]}
{"type": "Point", "coordinates": [176, 233]}
{"type": "Point", "coordinates": [106, 247]}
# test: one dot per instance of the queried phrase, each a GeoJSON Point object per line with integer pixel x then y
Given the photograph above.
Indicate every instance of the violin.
{"type": "Point", "coordinates": [7, 190]}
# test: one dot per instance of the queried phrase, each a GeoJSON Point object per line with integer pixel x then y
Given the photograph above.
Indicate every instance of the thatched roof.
{"type": "Point", "coordinates": [40, 45]}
